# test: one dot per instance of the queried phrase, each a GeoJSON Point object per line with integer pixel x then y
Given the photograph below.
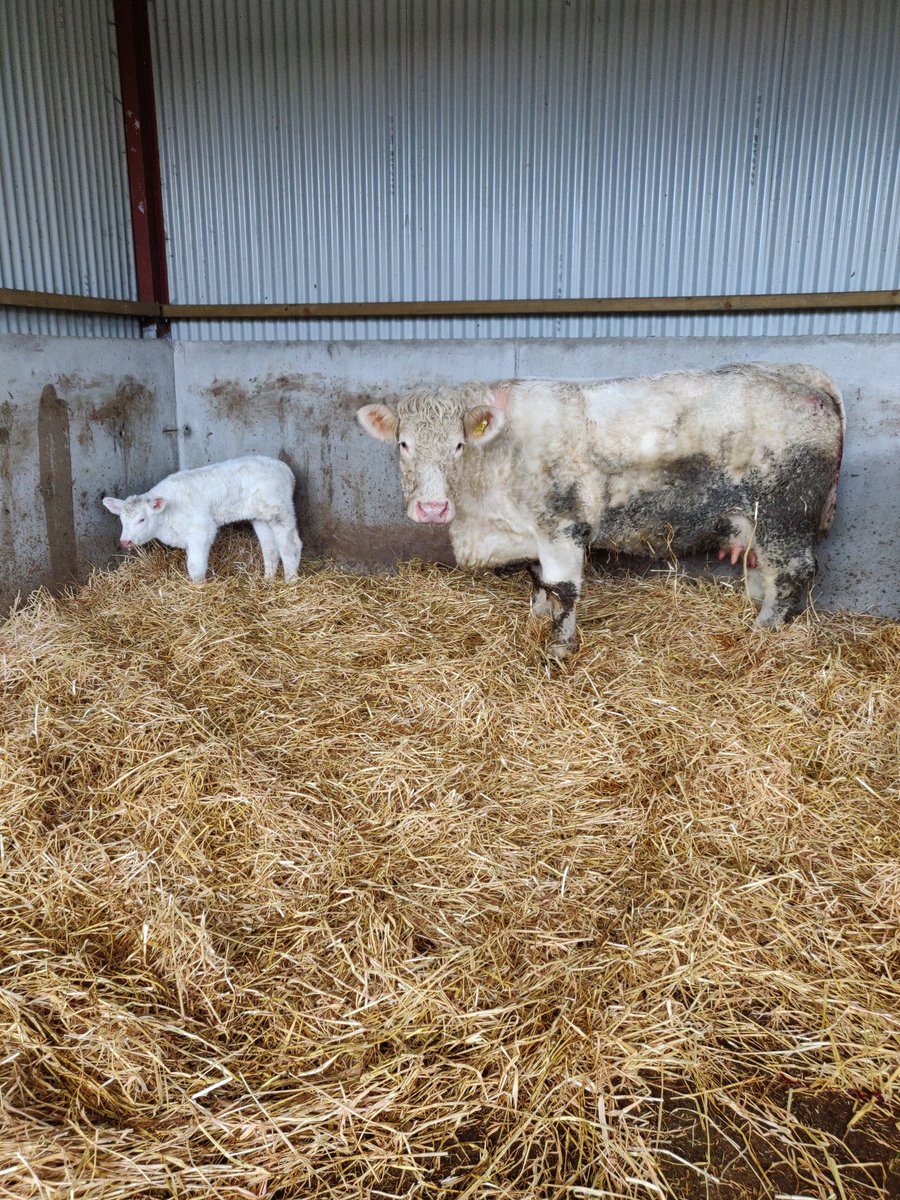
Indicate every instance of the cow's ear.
{"type": "Point", "coordinates": [379, 421]}
{"type": "Point", "coordinates": [114, 505]}
{"type": "Point", "coordinates": [157, 503]}
{"type": "Point", "coordinates": [482, 424]}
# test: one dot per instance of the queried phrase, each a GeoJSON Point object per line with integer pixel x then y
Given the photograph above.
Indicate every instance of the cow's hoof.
{"type": "Point", "coordinates": [769, 621]}
{"type": "Point", "coordinates": [559, 650]}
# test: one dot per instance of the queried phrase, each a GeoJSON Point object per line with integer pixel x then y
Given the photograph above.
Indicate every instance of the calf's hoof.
{"type": "Point", "coordinates": [559, 650]}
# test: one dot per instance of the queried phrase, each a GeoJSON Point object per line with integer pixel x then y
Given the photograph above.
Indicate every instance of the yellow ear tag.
{"type": "Point", "coordinates": [479, 429]}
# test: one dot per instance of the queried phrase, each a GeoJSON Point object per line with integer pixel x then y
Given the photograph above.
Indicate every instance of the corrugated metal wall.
{"type": "Point", "coordinates": [65, 224]}
{"type": "Point", "coordinates": [443, 149]}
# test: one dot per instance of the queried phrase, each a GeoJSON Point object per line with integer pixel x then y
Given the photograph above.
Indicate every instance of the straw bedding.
{"type": "Point", "coordinates": [339, 889]}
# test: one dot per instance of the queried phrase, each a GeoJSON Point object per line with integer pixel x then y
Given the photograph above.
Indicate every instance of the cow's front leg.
{"type": "Point", "coordinates": [561, 563]}
{"type": "Point", "coordinates": [540, 603]}
{"type": "Point", "coordinates": [540, 600]}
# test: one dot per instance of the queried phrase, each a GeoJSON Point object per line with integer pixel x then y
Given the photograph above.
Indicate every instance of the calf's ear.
{"type": "Point", "coordinates": [379, 421]}
{"type": "Point", "coordinates": [157, 503]}
{"type": "Point", "coordinates": [114, 505]}
{"type": "Point", "coordinates": [482, 424]}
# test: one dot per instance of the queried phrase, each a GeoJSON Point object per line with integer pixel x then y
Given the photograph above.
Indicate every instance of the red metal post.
{"type": "Point", "coordinates": [142, 146]}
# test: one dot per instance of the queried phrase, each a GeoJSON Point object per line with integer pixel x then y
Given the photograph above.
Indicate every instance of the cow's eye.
{"type": "Point", "coordinates": [404, 445]}
{"type": "Point", "coordinates": [459, 446]}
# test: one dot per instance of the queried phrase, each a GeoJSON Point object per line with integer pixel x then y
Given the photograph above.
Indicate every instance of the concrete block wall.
{"type": "Point", "coordinates": [80, 418]}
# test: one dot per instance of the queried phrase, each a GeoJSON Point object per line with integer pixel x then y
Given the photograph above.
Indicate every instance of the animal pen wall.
{"type": "Point", "coordinates": [461, 159]}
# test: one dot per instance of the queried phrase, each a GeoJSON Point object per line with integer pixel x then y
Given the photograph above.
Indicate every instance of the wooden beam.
{"type": "Point", "coordinates": [796, 301]}
{"type": "Point", "coordinates": [16, 298]}
{"type": "Point", "coordinates": [399, 309]}
{"type": "Point", "coordinates": [142, 153]}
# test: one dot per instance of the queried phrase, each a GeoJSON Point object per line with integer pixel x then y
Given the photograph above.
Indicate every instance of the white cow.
{"type": "Point", "coordinates": [742, 460]}
{"type": "Point", "coordinates": [188, 508]}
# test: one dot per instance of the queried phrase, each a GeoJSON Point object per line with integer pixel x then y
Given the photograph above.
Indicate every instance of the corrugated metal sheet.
{"type": "Point", "coordinates": [65, 225]}
{"type": "Point", "coordinates": [440, 149]}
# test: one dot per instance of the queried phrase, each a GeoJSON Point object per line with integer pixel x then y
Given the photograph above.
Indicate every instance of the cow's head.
{"type": "Point", "coordinates": [433, 431]}
{"type": "Point", "coordinates": [140, 517]}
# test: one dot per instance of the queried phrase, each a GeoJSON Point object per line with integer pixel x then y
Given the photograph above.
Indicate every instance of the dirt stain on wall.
{"type": "Point", "coordinates": [375, 546]}
{"type": "Point", "coordinates": [248, 400]}
{"type": "Point", "coordinates": [7, 548]}
{"type": "Point", "coordinates": [308, 421]}
{"type": "Point", "coordinates": [55, 466]}
{"type": "Point", "coordinates": [117, 414]}
{"type": "Point", "coordinates": [230, 399]}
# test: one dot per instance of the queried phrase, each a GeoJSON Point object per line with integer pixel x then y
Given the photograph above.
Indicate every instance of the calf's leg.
{"type": "Point", "coordinates": [289, 545]}
{"type": "Point", "coordinates": [268, 545]}
{"type": "Point", "coordinates": [198, 549]}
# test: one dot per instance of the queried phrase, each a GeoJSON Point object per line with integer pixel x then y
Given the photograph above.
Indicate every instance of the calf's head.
{"type": "Point", "coordinates": [434, 431]}
{"type": "Point", "coordinates": [140, 517]}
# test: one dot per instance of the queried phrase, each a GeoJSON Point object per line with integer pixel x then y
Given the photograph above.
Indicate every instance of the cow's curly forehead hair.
{"type": "Point", "coordinates": [437, 405]}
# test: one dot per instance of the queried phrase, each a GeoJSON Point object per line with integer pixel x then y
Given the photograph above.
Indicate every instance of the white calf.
{"type": "Point", "coordinates": [187, 509]}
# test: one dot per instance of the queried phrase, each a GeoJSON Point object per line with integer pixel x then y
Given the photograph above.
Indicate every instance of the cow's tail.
{"type": "Point", "coordinates": [826, 390]}
{"type": "Point", "coordinates": [829, 388]}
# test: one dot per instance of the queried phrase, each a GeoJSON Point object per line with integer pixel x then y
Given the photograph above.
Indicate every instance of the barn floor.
{"type": "Point", "coordinates": [339, 889]}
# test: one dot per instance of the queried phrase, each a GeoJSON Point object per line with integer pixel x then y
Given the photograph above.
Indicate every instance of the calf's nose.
{"type": "Point", "coordinates": [125, 544]}
{"type": "Point", "coordinates": [432, 512]}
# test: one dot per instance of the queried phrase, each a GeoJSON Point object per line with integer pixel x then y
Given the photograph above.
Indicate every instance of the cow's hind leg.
{"type": "Point", "coordinates": [268, 545]}
{"type": "Point", "coordinates": [786, 572]}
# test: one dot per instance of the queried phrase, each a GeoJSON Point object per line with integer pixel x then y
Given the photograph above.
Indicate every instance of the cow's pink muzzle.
{"type": "Point", "coordinates": [126, 545]}
{"type": "Point", "coordinates": [428, 512]}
